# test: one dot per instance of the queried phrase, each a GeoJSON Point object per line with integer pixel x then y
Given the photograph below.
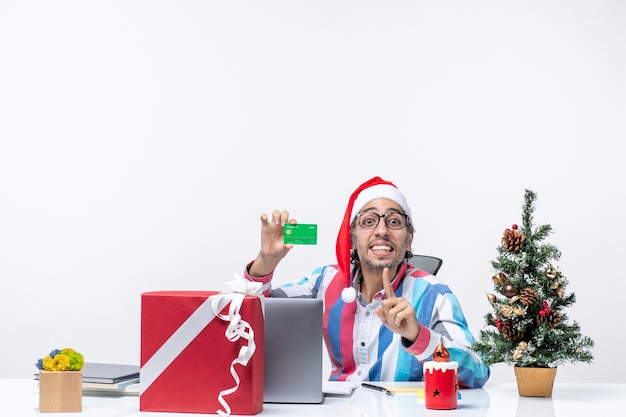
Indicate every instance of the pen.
{"type": "Point", "coordinates": [378, 388]}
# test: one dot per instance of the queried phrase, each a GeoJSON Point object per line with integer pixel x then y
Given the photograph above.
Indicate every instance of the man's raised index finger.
{"type": "Point", "coordinates": [387, 284]}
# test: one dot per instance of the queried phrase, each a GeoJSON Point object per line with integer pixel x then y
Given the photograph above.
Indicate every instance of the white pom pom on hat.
{"type": "Point", "coordinates": [348, 295]}
{"type": "Point", "coordinates": [370, 190]}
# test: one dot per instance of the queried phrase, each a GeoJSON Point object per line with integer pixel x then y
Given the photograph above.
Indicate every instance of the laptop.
{"type": "Point", "coordinates": [293, 351]}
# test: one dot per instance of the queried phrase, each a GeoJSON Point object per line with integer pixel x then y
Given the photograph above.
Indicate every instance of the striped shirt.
{"type": "Point", "coordinates": [360, 347]}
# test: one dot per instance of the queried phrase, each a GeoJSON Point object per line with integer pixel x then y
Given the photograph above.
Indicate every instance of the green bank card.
{"type": "Point", "coordinates": [300, 234]}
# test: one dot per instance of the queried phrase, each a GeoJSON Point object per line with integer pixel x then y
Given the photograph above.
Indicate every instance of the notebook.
{"type": "Point", "coordinates": [109, 373]}
{"type": "Point", "coordinates": [293, 351]}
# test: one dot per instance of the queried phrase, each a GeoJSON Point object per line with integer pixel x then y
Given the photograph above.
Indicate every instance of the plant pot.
{"type": "Point", "coordinates": [60, 392]}
{"type": "Point", "coordinates": [534, 382]}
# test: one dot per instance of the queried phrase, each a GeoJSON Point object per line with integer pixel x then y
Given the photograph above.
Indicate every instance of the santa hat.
{"type": "Point", "coordinates": [368, 191]}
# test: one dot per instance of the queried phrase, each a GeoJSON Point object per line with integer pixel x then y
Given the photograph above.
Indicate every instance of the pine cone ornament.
{"type": "Point", "coordinates": [513, 240]}
{"type": "Point", "coordinates": [550, 318]}
{"type": "Point", "coordinates": [511, 332]}
{"type": "Point", "coordinates": [527, 296]}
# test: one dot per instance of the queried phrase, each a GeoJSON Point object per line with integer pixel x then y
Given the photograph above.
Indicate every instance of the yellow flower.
{"type": "Point", "coordinates": [47, 363]}
{"type": "Point", "coordinates": [60, 363]}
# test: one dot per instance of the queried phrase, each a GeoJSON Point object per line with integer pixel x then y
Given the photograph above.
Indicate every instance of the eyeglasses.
{"type": "Point", "coordinates": [393, 220]}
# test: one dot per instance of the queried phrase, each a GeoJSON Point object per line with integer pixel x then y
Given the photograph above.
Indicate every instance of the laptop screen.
{"type": "Point", "coordinates": [293, 350]}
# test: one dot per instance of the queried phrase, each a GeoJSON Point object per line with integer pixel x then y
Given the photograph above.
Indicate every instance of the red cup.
{"type": "Point", "coordinates": [441, 387]}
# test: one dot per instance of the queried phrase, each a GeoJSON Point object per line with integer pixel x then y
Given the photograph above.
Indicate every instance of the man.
{"type": "Point", "coordinates": [382, 317]}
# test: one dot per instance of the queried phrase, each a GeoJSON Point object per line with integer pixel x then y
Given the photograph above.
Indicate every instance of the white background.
{"type": "Point", "coordinates": [140, 141]}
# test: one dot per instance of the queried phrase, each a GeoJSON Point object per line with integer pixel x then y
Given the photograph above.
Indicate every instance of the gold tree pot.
{"type": "Point", "coordinates": [534, 382]}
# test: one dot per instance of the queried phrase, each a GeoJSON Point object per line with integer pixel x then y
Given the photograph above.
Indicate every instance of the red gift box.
{"type": "Point", "coordinates": [188, 363]}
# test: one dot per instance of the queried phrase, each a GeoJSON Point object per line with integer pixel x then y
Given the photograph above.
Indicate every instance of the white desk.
{"type": "Point", "coordinates": [20, 397]}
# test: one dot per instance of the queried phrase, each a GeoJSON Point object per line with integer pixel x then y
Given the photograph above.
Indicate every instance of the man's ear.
{"type": "Point", "coordinates": [409, 242]}
{"type": "Point", "coordinates": [354, 257]}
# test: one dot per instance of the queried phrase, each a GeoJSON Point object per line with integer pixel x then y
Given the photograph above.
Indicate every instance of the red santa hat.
{"type": "Point", "coordinates": [366, 192]}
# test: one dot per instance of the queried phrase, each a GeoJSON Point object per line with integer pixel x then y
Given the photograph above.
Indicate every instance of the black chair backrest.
{"type": "Point", "coordinates": [430, 264]}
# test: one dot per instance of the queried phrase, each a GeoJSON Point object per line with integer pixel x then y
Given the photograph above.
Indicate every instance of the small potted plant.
{"type": "Point", "coordinates": [60, 381]}
{"type": "Point", "coordinates": [528, 326]}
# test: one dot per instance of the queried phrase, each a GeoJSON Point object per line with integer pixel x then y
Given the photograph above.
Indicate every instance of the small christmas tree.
{"type": "Point", "coordinates": [528, 326]}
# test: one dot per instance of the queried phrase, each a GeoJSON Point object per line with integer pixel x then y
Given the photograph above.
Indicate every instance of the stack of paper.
{"type": "Point", "coordinates": [339, 387]}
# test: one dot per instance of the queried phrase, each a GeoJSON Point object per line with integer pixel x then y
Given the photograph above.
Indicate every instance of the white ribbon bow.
{"type": "Point", "coordinates": [237, 327]}
{"type": "Point", "coordinates": [242, 285]}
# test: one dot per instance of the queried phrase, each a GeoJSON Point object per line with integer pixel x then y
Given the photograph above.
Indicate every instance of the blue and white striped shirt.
{"type": "Point", "coordinates": [360, 347]}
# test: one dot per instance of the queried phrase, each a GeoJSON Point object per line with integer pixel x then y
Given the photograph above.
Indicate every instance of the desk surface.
{"type": "Point", "coordinates": [20, 397]}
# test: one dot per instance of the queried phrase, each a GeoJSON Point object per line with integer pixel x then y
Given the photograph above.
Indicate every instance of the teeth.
{"type": "Point", "coordinates": [381, 248]}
